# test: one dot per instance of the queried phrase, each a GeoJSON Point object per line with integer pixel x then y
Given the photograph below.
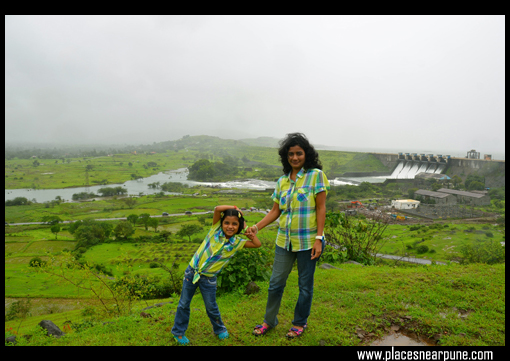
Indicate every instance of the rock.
{"type": "Point", "coordinates": [156, 305]}
{"type": "Point", "coordinates": [328, 266]}
{"type": "Point", "coordinates": [252, 288]}
{"type": "Point", "coordinates": [322, 343]}
{"type": "Point", "coordinates": [52, 329]}
{"type": "Point", "coordinates": [145, 315]}
{"type": "Point", "coordinates": [354, 262]}
{"type": "Point", "coordinates": [395, 328]}
{"type": "Point", "coordinates": [11, 339]}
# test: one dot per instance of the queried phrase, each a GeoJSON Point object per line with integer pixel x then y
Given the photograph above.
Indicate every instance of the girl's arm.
{"type": "Point", "coordinates": [254, 242]}
{"type": "Point", "coordinates": [273, 214]}
{"type": "Point", "coordinates": [218, 210]}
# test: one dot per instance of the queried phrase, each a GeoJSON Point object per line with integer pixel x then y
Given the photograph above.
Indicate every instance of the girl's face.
{"type": "Point", "coordinates": [230, 226]}
{"type": "Point", "coordinates": [296, 156]}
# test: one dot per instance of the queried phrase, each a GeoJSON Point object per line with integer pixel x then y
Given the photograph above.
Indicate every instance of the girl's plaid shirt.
{"type": "Point", "coordinates": [214, 252]}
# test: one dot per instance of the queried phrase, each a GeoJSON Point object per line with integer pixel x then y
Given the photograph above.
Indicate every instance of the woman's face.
{"type": "Point", "coordinates": [296, 156]}
{"type": "Point", "coordinates": [230, 226]}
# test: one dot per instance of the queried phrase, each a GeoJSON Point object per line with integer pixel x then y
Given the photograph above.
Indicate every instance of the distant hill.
{"type": "Point", "coordinates": [262, 142]}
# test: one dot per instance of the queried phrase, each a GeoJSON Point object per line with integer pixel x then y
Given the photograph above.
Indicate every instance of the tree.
{"type": "Point", "coordinates": [457, 181]}
{"type": "Point", "coordinates": [361, 240]}
{"type": "Point", "coordinates": [89, 233]}
{"type": "Point", "coordinates": [55, 229]}
{"type": "Point", "coordinates": [123, 230]}
{"type": "Point", "coordinates": [153, 222]}
{"type": "Point", "coordinates": [187, 230]}
{"type": "Point", "coordinates": [144, 218]}
{"type": "Point", "coordinates": [130, 202]}
{"type": "Point", "coordinates": [133, 218]}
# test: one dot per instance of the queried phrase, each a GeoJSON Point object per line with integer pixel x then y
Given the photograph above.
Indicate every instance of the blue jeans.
{"type": "Point", "coordinates": [208, 289]}
{"type": "Point", "coordinates": [282, 266]}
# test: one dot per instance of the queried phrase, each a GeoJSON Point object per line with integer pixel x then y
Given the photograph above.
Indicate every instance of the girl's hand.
{"type": "Point", "coordinates": [251, 231]}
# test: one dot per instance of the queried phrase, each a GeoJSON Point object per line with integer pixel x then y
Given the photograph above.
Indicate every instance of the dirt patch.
{"type": "Point", "coordinates": [400, 332]}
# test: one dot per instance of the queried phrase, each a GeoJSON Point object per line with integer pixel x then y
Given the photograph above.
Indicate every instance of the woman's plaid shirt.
{"type": "Point", "coordinates": [298, 219]}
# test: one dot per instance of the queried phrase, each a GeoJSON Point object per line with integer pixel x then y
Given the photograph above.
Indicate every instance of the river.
{"type": "Point", "coordinates": [135, 187]}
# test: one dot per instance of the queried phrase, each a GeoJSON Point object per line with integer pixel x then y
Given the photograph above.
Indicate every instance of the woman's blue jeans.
{"type": "Point", "coordinates": [207, 287]}
{"type": "Point", "coordinates": [282, 266]}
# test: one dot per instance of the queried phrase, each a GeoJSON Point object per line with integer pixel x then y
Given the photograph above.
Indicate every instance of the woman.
{"type": "Point", "coordinates": [300, 202]}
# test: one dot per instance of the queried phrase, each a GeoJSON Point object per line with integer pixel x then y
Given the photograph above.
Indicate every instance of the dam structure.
{"type": "Point", "coordinates": [408, 165]}
{"type": "Point", "coordinates": [411, 164]}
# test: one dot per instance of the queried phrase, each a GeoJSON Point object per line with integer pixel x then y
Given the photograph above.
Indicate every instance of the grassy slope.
{"type": "Point", "coordinates": [463, 304]}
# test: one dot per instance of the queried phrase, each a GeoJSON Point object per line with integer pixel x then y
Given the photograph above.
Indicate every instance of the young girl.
{"type": "Point", "coordinates": [219, 246]}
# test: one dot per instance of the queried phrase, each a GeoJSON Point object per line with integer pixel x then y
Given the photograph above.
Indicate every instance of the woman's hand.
{"type": "Point", "coordinates": [251, 231]}
{"type": "Point", "coordinates": [317, 249]}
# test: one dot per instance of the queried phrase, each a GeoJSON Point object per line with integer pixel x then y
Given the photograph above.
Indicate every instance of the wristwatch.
{"type": "Point", "coordinates": [320, 238]}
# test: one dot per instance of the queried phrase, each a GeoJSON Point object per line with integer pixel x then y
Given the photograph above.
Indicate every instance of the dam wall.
{"type": "Point", "coordinates": [492, 170]}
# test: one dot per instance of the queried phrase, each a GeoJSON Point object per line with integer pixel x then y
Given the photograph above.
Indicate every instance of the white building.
{"type": "Point", "coordinates": [405, 204]}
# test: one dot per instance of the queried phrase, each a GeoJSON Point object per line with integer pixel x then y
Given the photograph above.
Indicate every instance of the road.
{"type": "Point", "coordinates": [120, 219]}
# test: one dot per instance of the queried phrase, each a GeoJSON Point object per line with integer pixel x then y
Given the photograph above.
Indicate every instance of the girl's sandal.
{"type": "Point", "coordinates": [297, 332]}
{"type": "Point", "coordinates": [223, 335]}
{"type": "Point", "coordinates": [182, 341]}
{"type": "Point", "coordinates": [263, 330]}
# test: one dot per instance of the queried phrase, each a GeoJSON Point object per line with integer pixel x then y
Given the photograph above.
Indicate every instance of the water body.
{"type": "Point", "coordinates": [135, 187]}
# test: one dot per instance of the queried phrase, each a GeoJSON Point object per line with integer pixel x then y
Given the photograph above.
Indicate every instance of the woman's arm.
{"type": "Point", "coordinates": [273, 214]}
{"type": "Point", "coordinates": [218, 210]}
{"type": "Point", "coordinates": [320, 209]}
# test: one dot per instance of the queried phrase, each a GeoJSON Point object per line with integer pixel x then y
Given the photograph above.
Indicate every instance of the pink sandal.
{"type": "Point", "coordinates": [263, 330]}
{"type": "Point", "coordinates": [297, 331]}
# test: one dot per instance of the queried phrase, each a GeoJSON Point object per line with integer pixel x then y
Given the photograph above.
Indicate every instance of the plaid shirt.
{"type": "Point", "coordinates": [298, 219]}
{"type": "Point", "coordinates": [214, 252]}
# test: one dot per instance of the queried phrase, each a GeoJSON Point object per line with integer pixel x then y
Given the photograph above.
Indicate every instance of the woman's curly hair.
{"type": "Point", "coordinates": [311, 155]}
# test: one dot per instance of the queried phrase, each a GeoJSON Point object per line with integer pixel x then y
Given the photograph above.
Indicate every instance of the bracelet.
{"type": "Point", "coordinates": [256, 228]}
{"type": "Point", "coordinates": [319, 237]}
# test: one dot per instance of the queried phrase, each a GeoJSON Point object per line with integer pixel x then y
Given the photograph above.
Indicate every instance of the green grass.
{"type": "Point", "coordinates": [463, 304]}
{"type": "Point", "coordinates": [443, 242]}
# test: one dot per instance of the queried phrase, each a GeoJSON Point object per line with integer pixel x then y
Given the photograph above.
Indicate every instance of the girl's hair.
{"type": "Point", "coordinates": [311, 155]}
{"type": "Point", "coordinates": [235, 213]}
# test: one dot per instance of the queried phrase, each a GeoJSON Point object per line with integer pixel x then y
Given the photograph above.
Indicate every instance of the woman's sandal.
{"type": "Point", "coordinates": [181, 341]}
{"type": "Point", "coordinates": [263, 330]}
{"type": "Point", "coordinates": [297, 331]}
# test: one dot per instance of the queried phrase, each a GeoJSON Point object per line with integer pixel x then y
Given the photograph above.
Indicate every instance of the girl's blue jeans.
{"type": "Point", "coordinates": [282, 266]}
{"type": "Point", "coordinates": [207, 287]}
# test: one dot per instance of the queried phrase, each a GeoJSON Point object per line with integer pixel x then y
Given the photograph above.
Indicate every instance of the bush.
{"type": "Point", "coordinates": [247, 265]}
{"type": "Point", "coordinates": [489, 252]}
{"type": "Point", "coordinates": [422, 249]}
{"type": "Point", "coordinates": [36, 262]}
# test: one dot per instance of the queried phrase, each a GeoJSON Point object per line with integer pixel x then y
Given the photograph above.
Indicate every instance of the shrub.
{"type": "Point", "coordinates": [246, 266]}
{"type": "Point", "coordinates": [422, 249]}
{"type": "Point", "coordinates": [489, 252]}
{"type": "Point", "coordinates": [36, 262]}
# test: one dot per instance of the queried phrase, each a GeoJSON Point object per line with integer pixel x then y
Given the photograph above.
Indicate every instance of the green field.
{"type": "Point", "coordinates": [443, 242]}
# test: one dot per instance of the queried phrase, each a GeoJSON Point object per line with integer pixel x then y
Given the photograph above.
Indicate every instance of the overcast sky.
{"type": "Point", "coordinates": [409, 83]}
